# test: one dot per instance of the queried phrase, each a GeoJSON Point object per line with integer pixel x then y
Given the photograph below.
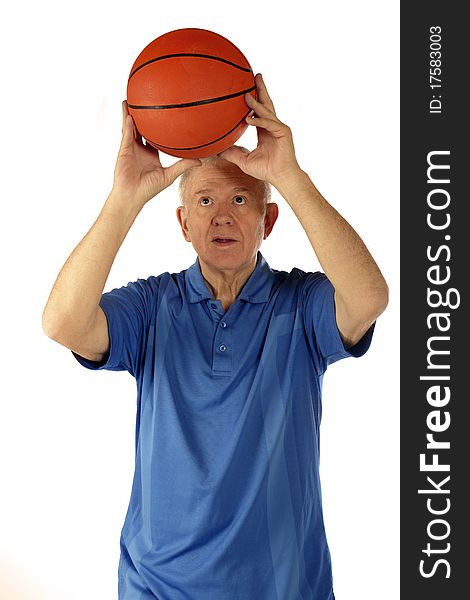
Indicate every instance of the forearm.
{"type": "Point", "coordinates": [341, 252]}
{"type": "Point", "coordinates": [73, 301]}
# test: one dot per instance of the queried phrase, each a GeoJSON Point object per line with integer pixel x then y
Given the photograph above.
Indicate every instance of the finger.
{"type": "Point", "coordinates": [139, 138]}
{"type": "Point", "coordinates": [260, 109]}
{"type": "Point", "coordinates": [180, 167]}
{"type": "Point", "coordinates": [272, 125]}
{"type": "Point", "coordinates": [235, 155]}
{"type": "Point", "coordinates": [127, 132]}
{"type": "Point", "coordinates": [262, 92]}
{"type": "Point", "coordinates": [125, 112]}
{"type": "Point", "coordinates": [234, 148]}
{"type": "Point", "coordinates": [135, 132]}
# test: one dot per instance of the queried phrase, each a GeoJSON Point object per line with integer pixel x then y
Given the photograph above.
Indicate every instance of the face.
{"type": "Point", "coordinates": [225, 217]}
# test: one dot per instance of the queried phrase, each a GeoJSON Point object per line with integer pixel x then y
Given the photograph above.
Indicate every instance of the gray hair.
{"type": "Point", "coordinates": [263, 186]}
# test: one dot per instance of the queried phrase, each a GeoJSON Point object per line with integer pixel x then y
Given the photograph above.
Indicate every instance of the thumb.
{"type": "Point", "coordinates": [235, 155]}
{"type": "Point", "coordinates": [180, 167]}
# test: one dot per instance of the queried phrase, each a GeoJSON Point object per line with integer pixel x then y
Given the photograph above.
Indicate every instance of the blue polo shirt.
{"type": "Point", "coordinates": [226, 499]}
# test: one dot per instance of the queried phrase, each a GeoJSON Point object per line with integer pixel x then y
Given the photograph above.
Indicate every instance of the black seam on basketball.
{"type": "Point", "coordinates": [195, 103]}
{"type": "Point", "coordinates": [208, 56]}
{"type": "Point", "coordinates": [202, 145]}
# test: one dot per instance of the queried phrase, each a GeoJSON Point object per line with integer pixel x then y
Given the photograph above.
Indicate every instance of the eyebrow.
{"type": "Point", "coordinates": [209, 190]}
{"type": "Point", "coordinates": [205, 191]}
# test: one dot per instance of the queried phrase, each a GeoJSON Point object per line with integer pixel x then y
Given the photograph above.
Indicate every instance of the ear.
{"type": "Point", "coordinates": [181, 215]}
{"type": "Point", "coordinates": [272, 212]}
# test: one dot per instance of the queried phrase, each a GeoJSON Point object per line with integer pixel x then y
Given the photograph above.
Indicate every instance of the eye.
{"type": "Point", "coordinates": [205, 201]}
{"type": "Point", "coordinates": [239, 200]}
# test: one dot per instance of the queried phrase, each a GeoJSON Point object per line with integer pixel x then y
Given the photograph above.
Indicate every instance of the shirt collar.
{"type": "Point", "coordinates": [255, 290]}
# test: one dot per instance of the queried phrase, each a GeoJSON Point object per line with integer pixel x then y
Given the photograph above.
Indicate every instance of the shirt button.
{"type": "Point", "coordinates": [214, 305]}
{"type": "Point", "coordinates": [222, 347]}
{"type": "Point", "coordinates": [223, 324]}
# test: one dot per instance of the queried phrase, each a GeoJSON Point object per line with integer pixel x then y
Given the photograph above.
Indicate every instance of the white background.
{"type": "Point", "coordinates": [66, 433]}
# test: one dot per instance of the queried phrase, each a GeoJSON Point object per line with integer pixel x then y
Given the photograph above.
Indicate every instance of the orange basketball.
{"type": "Point", "coordinates": [186, 93]}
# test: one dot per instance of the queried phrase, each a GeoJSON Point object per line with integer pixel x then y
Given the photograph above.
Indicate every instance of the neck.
{"type": "Point", "coordinates": [225, 285]}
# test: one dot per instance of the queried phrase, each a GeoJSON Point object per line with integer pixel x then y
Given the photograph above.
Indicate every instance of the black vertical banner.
{"type": "Point", "coordinates": [435, 323]}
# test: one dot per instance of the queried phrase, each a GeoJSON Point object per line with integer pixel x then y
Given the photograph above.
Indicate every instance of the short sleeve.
{"type": "Point", "coordinates": [128, 312]}
{"type": "Point", "coordinates": [319, 314]}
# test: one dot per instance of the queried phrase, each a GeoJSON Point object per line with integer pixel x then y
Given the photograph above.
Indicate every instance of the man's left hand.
{"type": "Point", "coordinates": [273, 160]}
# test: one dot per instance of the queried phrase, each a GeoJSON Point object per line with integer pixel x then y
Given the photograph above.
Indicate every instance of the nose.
{"type": "Point", "coordinates": [222, 217]}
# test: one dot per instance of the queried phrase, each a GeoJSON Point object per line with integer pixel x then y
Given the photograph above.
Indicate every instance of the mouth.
{"type": "Point", "coordinates": [224, 241]}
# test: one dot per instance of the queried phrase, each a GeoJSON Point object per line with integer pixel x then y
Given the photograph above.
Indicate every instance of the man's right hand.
{"type": "Point", "coordinates": [139, 174]}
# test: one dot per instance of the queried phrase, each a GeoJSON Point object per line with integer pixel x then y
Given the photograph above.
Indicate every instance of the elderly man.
{"type": "Point", "coordinates": [228, 356]}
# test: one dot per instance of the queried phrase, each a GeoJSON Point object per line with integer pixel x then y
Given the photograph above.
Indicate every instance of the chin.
{"type": "Point", "coordinates": [228, 262]}
{"type": "Point", "coordinates": [225, 260]}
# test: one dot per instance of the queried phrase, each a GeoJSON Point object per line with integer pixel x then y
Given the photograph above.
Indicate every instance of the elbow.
{"type": "Point", "coordinates": [54, 325]}
{"type": "Point", "coordinates": [367, 307]}
{"type": "Point", "coordinates": [49, 325]}
{"type": "Point", "coordinates": [356, 314]}
{"type": "Point", "coordinates": [385, 296]}
{"type": "Point", "coordinates": [56, 330]}
{"type": "Point", "coordinates": [381, 299]}
{"type": "Point", "coordinates": [375, 298]}
{"type": "Point", "coordinates": [377, 302]}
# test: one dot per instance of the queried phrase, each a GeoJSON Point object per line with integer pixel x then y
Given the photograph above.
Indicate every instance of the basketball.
{"type": "Point", "coordinates": [186, 92]}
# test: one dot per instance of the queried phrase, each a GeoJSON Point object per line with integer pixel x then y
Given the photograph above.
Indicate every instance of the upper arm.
{"type": "Point", "coordinates": [328, 342]}
{"type": "Point", "coordinates": [116, 341]}
{"type": "Point", "coordinates": [94, 344]}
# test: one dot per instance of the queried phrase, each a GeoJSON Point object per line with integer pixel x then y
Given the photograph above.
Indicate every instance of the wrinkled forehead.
{"type": "Point", "coordinates": [221, 176]}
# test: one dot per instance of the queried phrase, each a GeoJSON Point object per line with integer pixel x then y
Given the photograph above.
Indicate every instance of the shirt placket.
{"type": "Point", "coordinates": [222, 343]}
